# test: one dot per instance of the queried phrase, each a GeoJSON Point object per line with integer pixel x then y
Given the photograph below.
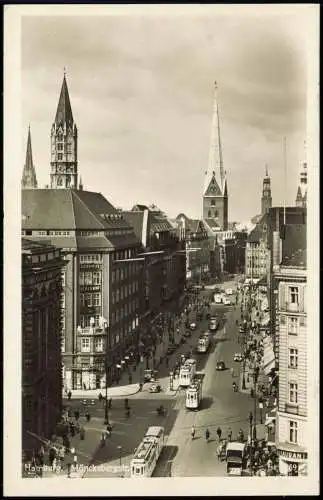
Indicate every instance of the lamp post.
{"type": "Point", "coordinates": [106, 413]}
{"type": "Point", "coordinates": [120, 452]}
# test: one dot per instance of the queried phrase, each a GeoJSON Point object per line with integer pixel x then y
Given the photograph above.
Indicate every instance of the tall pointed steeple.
{"type": "Point", "coordinates": [215, 166]}
{"type": "Point", "coordinates": [301, 195]}
{"type": "Point", "coordinates": [215, 192]}
{"type": "Point", "coordinates": [266, 199]}
{"type": "Point", "coordinates": [64, 136]}
{"type": "Point", "coordinates": [29, 180]}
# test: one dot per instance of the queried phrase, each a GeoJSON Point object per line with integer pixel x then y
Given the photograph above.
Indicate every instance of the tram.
{"type": "Point", "coordinates": [146, 455]}
{"type": "Point", "coordinates": [194, 395]}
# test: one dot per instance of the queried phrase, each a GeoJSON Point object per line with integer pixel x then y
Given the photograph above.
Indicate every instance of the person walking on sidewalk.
{"type": "Point", "coordinates": [193, 432]}
{"type": "Point", "coordinates": [219, 432]}
{"type": "Point", "coordinates": [229, 434]}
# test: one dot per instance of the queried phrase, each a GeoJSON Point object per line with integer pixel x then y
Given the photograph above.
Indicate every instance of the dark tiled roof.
{"type": "Point", "coordinates": [58, 241]}
{"type": "Point", "coordinates": [93, 242]}
{"type": "Point", "coordinates": [211, 225]}
{"type": "Point", "coordinates": [30, 245]}
{"type": "Point", "coordinates": [159, 223]}
{"type": "Point", "coordinates": [64, 209]}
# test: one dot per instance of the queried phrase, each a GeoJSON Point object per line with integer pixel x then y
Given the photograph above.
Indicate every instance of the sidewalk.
{"type": "Point", "coordinates": [113, 392]}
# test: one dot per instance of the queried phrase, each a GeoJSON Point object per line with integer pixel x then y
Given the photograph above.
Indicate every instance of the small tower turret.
{"type": "Point", "coordinates": [29, 180]}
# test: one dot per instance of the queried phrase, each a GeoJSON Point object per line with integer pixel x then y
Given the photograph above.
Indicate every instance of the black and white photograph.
{"type": "Point", "coordinates": [161, 173]}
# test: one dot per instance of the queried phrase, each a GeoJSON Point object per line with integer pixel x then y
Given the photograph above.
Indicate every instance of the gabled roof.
{"type": "Point", "coordinates": [159, 223]}
{"type": "Point", "coordinates": [68, 209]}
{"type": "Point", "coordinates": [64, 110]}
{"type": "Point", "coordinates": [213, 188]}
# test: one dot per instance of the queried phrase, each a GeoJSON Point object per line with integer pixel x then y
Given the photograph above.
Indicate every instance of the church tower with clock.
{"type": "Point", "coordinates": [215, 193]}
{"type": "Point", "coordinates": [63, 163]}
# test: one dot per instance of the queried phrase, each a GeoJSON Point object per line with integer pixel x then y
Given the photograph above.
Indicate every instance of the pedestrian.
{"type": "Point", "coordinates": [103, 438]}
{"type": "Point", "coordinates": [61, 453]}
{"type": "Point", "coordinates": [219, 432]}
{"type": "Point", "coordinates": [82, 433]}
{"type": "Point", "coordinates": [110, 403]}
{"type": "Point", "coordinates": [193, 432]}
{"type": "Point", "coordinates": [88, 416]}
{"type": "Point", "coordinates": [69, 395]}
{"type": "Point", "coordinates": [229, 434]}
{"type": "Point", "coordinates": [100, 396]}
{"type": "Point", "coordinates": [76, 415]}
{"type": "Point", "coordinates": [52, 455]}
{"type": "Point", "coordinates": [207, 435]}
{"type": "Point", "coordinates": [72, 429]}
{"type": "Point", "coordinates": [84, 386]}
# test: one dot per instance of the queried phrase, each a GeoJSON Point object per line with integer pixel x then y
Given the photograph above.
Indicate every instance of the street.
{"type": "Point", "coordinates": [220, 407]}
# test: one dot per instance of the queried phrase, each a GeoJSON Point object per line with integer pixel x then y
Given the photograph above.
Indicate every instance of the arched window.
{"type": "Point", "coordinates": [212, 203]}
{"type": "Point", "coordinates": [216, 213]}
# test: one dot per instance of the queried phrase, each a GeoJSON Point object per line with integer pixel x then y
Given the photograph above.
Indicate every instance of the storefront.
{"type": "Point", "coordinates": [292, 460]}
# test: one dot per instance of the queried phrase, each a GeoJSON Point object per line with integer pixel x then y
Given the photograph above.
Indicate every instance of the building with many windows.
{"type": "Point", "coordinates": [103, 280]}
{"type": "Point", "coordinates": [291, 419]}
{"type": "Point", "coordinates": [42, 267]}
{"type": "Point", "coordinates": [197, 247]}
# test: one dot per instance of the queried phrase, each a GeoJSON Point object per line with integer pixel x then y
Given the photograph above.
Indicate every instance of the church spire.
{"type": "Point", "coordinates": [64, 110]}
{"type": "Point", "coordinates": [29, 180]}
{"type": "Point", "coordinates": [64, 137]}
{"type": "Point", "coordinates": [301, 195]}
{"type": "Point", "coordinates": [215, 166]}
{"type": "Point", "coordinates": [266, 199]}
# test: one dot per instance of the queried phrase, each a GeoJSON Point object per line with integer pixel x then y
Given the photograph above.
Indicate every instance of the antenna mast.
{"type": "Point", "coordinates": [285, 179]}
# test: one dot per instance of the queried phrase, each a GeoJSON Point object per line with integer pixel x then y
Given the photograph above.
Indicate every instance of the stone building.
{"type": "Point", "coordinates": [266, 200]}
{"type": "Point", "coordinates": [301, 196]}
{"type": "Point", "coordinates": [42, 267]}
{"type": "Point", "coordinates": [291, 418]}
{"type": "Point", "coordinates": [197, 248]}
{"type": "Point", "coordinates": [102, 300]}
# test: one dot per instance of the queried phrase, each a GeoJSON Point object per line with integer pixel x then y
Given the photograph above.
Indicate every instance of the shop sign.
{"type": "Point", "coordinates": [293, 454]}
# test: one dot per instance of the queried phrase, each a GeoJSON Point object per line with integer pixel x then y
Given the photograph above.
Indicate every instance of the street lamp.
{"type": "Point", "coordinates": [106, 413]}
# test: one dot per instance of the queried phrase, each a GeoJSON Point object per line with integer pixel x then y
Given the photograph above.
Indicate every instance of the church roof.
{"type": "Point", "coordinates": [213, 188]}
{"type": "Point", "coordinates": [64, 110]}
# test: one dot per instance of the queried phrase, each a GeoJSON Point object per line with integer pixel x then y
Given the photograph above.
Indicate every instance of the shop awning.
{"type": "Point", "coordinates": [269, 356]}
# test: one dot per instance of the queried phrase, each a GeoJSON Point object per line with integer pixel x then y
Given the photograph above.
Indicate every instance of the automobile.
{"type": "Point", "coordinates": [229, 291]}
{"type": "Point", "coordinates": [149, 375]}
{"type": "Point", "coordinates": [193, 326]}
{"type": "Point", "coordinates": [220, 365]}
{"type": "Point", "coordinates": [226, 301]}
{"type": "Point", "coordinates": [218, 299]}
{"type": "Point", "coordinates": [171, 349]}
{"type": "Point", "coordinates": [154, 387]}
{"type": "Point", "coordinates": [238, 356]}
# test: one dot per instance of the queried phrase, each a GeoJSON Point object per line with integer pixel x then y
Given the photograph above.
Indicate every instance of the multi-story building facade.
{"type": "Point", "coordinates": [291, 418]}
{"type": "Point", "coordinates": [197, 247]}
{"type": "Point", "coordinates": [102, 300]}
{"type": "Point", "coordinates": [42, 267]}
{"type": "Point", "coordinates": [278, 219]}
{"type": "Point", "coordinates": [256, 251]}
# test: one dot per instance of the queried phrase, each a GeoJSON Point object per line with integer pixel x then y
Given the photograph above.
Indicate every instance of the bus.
{"type": "Point", "coordinates": [194, 395]}
{"type": "Point", "coordinates": [146, 455]}
{"type": "Point", "coordinates": [203, 343]}
{"type": "Point", "coordinates": [187, 372]}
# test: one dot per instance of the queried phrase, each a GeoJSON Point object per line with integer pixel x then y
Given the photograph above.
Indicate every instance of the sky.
{"type": "Point", "coordinates": [141, 90]}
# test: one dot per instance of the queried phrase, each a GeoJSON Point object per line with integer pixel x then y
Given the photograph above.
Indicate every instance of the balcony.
{"type": "Point", "coordinates": [291, 408]}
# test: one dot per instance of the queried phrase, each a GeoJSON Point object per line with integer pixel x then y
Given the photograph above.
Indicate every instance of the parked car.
{"type": "Point", "coordinates": [238, 357]}
{"type": "Point", "coordinates": [154, 387]}
{"type": "Point", "coordinates": [220, 366]}
{"type": "Point", "coordinates": [226, 301]}
{"type": "Point", "coordinates": [229, 291]}
{"type": "Point", "coordinates": [171, 349]}
{"type": "Point", "coordinates": [193, 325]}
{"type": "Point", "coordinates": [150, 375]}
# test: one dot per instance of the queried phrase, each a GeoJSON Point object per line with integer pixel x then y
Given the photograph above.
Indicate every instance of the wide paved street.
{"type": "Point", "coordinates": [181, 456]}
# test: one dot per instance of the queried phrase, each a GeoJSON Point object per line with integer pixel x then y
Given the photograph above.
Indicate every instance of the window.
{"type": "Point", "coordinates": [293, 392]}
{"type": "Point", "coordinates": [293, 294]}
{"type": "Point", "coordinates": [96, 278]}
{"type": "Point", "coordinates": [113, 276]}
{"type": "Point", "coordinates": [292, 325]}
{"type": "Point", "coordinates": [99, 345]}
{"type": "Point", "coordinates": [292, 431]}
{"type": "Point", "coordinates": [121, 274]}
{"type": "Point", "coordinates": [59, 156]}
{"type": "Point", "coordinates": [85, 345]}
{"type": "Point", "coordinates": [209, 213]}
{"type": "Point", "coordinates": [60, 146]}
{"type": "Point", "coordinates": [121, 293]}
{"type": "Point", "coordinates": [63, 344]}
{"type": "Point", "coordinates": [92, 257]}
{"type": "Point", "coordinates": [216, 213]}
{"type": "Point", "coordinates": [293, 357]}
{"type": "Point", "coordinates": [117, 295]}
{"type": "Point", "coordinates": [212, 203]}
{"type": "Point", "coordinates": [113, 297]}
{"type": "Point", "coordinates": [96, 300]}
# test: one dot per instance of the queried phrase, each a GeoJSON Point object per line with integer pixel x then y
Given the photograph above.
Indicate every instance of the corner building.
{"type": "Point", "coordinates": [291, 420]}
{"type": "Point", "coordinates": [42, 267]}
{"type": "Point", "coordinates": [102, 297]}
